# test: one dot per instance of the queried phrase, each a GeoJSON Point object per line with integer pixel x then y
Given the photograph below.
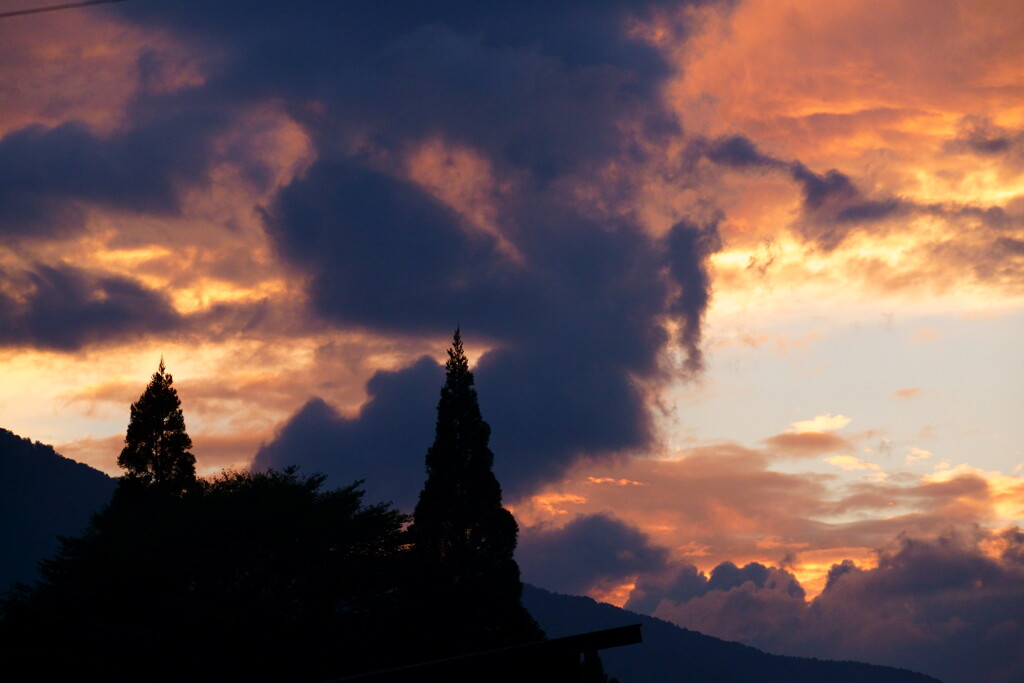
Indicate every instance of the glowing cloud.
{"type": "Point", "coordinates": [820, 423]}
{"type": "Point", "coordinates": [917, 454]}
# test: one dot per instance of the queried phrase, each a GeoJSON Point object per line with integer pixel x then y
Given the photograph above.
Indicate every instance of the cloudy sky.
{"type": "Point", "coordinates": [743, 282]}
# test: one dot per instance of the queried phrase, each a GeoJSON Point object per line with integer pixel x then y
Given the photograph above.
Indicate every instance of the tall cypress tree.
{"type": "Point", "coordinates": [463, 539]}
{"type": "Point", "coordinates": [156, 446]}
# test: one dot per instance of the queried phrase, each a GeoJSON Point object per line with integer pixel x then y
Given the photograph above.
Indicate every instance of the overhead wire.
{"type": "Point", "coordinates": [54, 8]}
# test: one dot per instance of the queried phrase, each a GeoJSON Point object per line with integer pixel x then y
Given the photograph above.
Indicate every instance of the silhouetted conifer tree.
{"type": "Point", "coordinates": [463, 539]}
{"type": "Point", "coordinates": [156, 446]}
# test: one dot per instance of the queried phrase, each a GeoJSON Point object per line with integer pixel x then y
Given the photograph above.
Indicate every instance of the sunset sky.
{"type": "Point", "coordinates": [742, 281]}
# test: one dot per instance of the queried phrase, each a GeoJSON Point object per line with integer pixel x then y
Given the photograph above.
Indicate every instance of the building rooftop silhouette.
{"type": "Point", "coordinates": [557, 660]}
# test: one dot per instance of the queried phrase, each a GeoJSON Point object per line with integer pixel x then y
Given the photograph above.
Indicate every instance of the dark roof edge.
{"type": "Point", "coordinates": [579, 643]}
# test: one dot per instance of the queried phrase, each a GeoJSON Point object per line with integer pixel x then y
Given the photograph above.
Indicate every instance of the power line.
{"type": "Point", "coordinates": [54, 8]}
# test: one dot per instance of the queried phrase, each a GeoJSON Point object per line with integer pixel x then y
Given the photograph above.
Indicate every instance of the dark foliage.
{"type": "Point", "coordinates": [250, 576]}
{"type": "Point", "coordinates": [262, 575]}
{"type": "Point", "coordinates": [465, 580]}
{"type": "Point", "coordinates": [156, 446]}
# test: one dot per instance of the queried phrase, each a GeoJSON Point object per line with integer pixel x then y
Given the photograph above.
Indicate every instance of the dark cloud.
{"type": "Point", "coordinates": [1009, 246]}
{"type": "Point", "coordinates": [65, 308]}
{"type": "Point", "coordinates": [590, 551]}
{"type": "Point", "coordinates": [682, 584]}
{"type": "Point", "coordinates": [386, 255]}
{"type": "Point", "coordinates": [748, 603]}
{"type": "Point", "coordinates": [992, 217]}
{"type": "Point", "coordinates": [818, 189]}
{"type": "Point", "coordinates": [689, 248]}
{"type": "Point", "coordinates": [686, 582]}
{"type": "Point", "coordinates": [549, 96]}
{"type": "Point", "coordinates": [727, 576]}
{"type": "Point", "coordinates": [940, 605]}
{"type": "Point", "coordinates": [545, 410]}
{"type": "Point", "coordinates": [869, 211]}
{"type": "Point", "coordinates": [385, 445]}
{"type": "Point", "coordinates": [949, 605]}
{"type": "Point", "coordinates": [981, 136]}
{"type": "Point", "coordinates": [541, 87]}
{"type": "Point", "coordinates": [575, 323]}
{"type": "Point", "coordinates": [832, 204]}
{"type": "Point", "coordinates": [546, 97]}
{"type": "Point", "coordinates": [738, 151]}
{"type": "Point", "coordinates": [48, 175]}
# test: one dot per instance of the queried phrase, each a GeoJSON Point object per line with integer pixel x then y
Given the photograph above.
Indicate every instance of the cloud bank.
{"type": "Point", "coordinates": [948, 605]}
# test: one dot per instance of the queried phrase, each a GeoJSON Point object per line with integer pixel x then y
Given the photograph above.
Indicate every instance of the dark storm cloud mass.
{"type": "Point", "coordinates": [384, 253]}
{"type": "Point", "coordinates": [385, 445]}
{"type": "Point", "coordinates": [526, 108]}
{"type": "Point", "coordinates": [47, 175]}
{"type": "Point", "coordinates": [536, 86]}
{"type": "Point", "coordinates": [590, 550]}
{"type": "Point", "coordinates": [547, 97]}
{"type": "Point", "coordinates": [65, 308]}
{"type": "Point", "coordinates": [945, 605]}
{"type": "Point", "coordinates": [573, 324]}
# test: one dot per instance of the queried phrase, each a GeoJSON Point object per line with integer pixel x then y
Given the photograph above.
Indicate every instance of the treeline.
{"type": "Point", "coordinates": [267, 575]}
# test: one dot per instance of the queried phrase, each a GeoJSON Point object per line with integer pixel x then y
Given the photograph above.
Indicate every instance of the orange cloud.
{"type": "Point", "coordinates": [464, 180]}
{"type": "Point", "coordinates": [806, 444]}
{"type": "Point", "coordinates": [759, 63]}
{"type": "Point", "coordinates": [617, 482]}
{"type": "Point", "coordinates": [84, 66]}
{"type": "Point", "coordinates": [925, 121]}
{"type": "Point", "coordinates": [725, 503]}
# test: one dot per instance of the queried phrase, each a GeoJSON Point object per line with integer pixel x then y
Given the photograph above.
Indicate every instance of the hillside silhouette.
{"type": "Point", "coordinates": [42, 495]}
{"type": "Point", "coordinates": [670, 654]}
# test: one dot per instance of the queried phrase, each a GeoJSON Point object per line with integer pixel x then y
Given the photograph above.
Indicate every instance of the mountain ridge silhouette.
{"type": "Point", "coordinates": [43, 495]}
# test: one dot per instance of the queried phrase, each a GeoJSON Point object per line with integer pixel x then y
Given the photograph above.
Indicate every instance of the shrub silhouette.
{"type": "Point", "coordinates": [255, 575]}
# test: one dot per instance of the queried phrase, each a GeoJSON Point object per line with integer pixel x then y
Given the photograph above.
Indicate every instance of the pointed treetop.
{"type": "Point", "coordinates": [157, 447]}
{"type": "Point", "coordinates": [457, 361]}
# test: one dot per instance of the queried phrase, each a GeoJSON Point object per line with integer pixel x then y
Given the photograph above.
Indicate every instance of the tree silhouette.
{"type": "Point", "coordinates": [463, 539]}
{"type": "Point", "coordinates": [156, 445]}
